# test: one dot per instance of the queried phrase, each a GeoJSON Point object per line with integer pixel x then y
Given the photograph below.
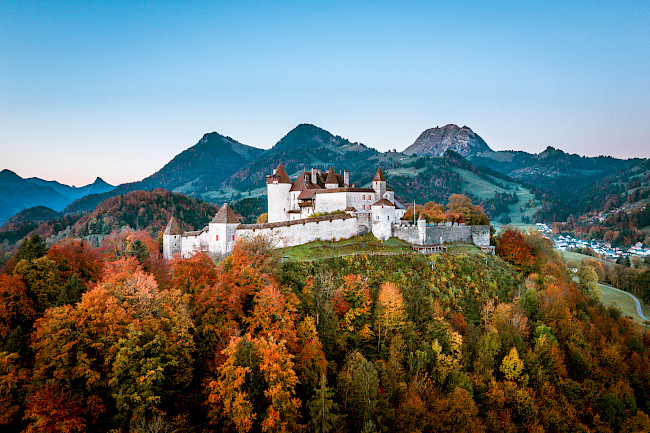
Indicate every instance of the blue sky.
{"type": "Point", "coordinates": [117, 90]}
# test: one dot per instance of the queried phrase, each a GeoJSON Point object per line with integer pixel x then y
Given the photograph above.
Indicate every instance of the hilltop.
{"type": "Point", "coordinates": [436, 141]}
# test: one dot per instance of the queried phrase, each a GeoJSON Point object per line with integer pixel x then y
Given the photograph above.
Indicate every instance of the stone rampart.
{"type": "Point", "coordinates": [298, 232]}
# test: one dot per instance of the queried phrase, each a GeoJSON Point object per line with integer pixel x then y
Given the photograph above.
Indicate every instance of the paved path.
{"type": "Point", "coordinates": [636, 301]}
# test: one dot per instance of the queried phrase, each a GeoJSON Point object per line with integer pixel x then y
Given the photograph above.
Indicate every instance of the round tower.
{"type": "Point", "coordinates": [223, 231]}
{"type": "Point", "coordinates": [278, 187]}
{"type": "Point", "coordinates": [383, 217]}
{"type": "Point", "coordinates": [172, 239]}
{"type": "Point", "coordinates": [422, 229]}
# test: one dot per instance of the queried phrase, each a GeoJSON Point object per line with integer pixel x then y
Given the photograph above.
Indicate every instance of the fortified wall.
{"type": "Point", "coordinates": [298, 232]}
{"type": "Point", "coordinates": [442, 233]}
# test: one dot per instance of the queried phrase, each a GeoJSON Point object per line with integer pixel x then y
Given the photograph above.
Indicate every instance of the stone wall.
{"type": "Point", "coordinates": [445, 234]}
{"type": "Point", "coordinates": [407, 234]}
{"type": "Point", "coordinates": [171, 245]}
{"type": "Point", "coordinates": [192, 243]}
{"type": "Point", "coordinates": [335, 227]}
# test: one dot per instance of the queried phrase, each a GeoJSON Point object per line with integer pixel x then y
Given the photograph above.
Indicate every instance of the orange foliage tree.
{"type": "Point", "coordinates": [512, 247]}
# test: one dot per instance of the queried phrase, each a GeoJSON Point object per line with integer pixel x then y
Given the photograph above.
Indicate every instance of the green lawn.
{"type": "Point", "coordinates": [623, 302]}
{"type": "Point", "coordinates": [608, 296]}
{"type": "Point", "coordinates": [358, 244]}
{"type": "Point", "coordinates": [463, 249]}
{"type": "Point", "coordinates": [570, 256]}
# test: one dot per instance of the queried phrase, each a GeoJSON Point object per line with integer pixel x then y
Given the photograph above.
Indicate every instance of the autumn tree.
{"type": "Point", "coordinates": [31, 249]}
{"type": "Point", "coordinates": [17, 313]}
{"type": "Point", "coordinates": [276, 365]}
{"type": "Point", "coordinates": [42, 279]}
{"type": "Point", "coordinates": [460, 204]}
{"type": "Point", "coordinates": [13, 378]}
{"type": "Point", "coordinates": [355, 310]}
{"type": "Point", "coordinates": [512, 247]}
{"type": "Point", "coordinates": [77, 258]}
{"type": "Point", "coordinates": [391, 315]}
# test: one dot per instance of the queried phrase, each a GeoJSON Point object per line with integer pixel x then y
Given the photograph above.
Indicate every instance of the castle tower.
{"type": "Point", "coordinates": [383, 217]}
{"type": "Point", "coordinates": [331, 181]}
{"type": "Point", "coordinates": [223, 230]}
{"type": "Point", "coordinates": [422, 229]}
{"type": "Point", "coordinates": [379, 184]}
{"type": "Point", "coordinates": [278, 186]}
{"type": "Point", "coordinates": [172, 239]}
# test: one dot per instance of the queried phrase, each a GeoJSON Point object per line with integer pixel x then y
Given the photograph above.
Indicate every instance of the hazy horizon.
{"type": "Point", "coordinates": [117, 91]}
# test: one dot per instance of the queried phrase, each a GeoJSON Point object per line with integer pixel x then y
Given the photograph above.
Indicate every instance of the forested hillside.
{"type": "Point", "coordinates": [116, 339]}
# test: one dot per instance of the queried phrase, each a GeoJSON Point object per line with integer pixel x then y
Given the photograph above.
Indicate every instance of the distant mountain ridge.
{"type": "Point", "coordinates": [17, 193]}
{"type": "Point", "coordinates": [72, 192]}
{"type": "Point", "coordinates": [436, 141]}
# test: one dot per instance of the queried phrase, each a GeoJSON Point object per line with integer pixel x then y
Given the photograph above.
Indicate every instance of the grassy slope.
{"type": "Point", "coordinates": [611, 297]}
{"type": "Point", "coordinates": [360, 245]}
{"type": "Point", "coordinates": [623, 302]}
{"type": "Point", "coordinates": [357, 244]}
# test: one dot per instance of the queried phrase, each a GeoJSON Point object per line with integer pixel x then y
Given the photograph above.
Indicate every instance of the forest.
{"type": "Point", "coordinates": [116, 339]}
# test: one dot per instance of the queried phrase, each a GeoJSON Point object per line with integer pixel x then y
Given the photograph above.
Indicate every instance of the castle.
{"type": "Point", "coordinates": [320, 206]}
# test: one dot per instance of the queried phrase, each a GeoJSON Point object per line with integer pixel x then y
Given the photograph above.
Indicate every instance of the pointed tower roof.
{"type": "Point", "coordinates": [379, 175]}
{"type": "Point", "coordinates": [282, 175]}
{"type": "Point", "coordinates": [225, 215]}
{"type": "Point", "coordinates": [173, 228]}
{"type": "Point", "coordinates": [421, 216]}
{"type": "Point", "coordinates": [331, 176]}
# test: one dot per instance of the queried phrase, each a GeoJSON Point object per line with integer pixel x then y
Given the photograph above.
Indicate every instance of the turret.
{"type": "Point", "coordinates": [223, 230]}
{"type": "Point", "coordinates": [172, 239]}
{"type": "Point", "coordinates": [379, 184]}
{"type": "Point", "coordinates": [383, 217]}
{"type": "Point", "coordinates": [331, 181]}
{"type": "Point", "coordinates": [278, 186]}
{"type": "Point", "coordinates": [422, 229]}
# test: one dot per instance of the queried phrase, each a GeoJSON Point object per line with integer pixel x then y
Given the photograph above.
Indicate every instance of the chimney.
{"type": "Point", "coordinates": [275, 170]}
{"type": "Point", "coordinates": [314, 179]}
{"type": "Point", "coordinates": [346, 178]}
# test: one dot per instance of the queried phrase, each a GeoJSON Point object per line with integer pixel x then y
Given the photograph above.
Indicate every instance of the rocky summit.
{"type": "Point", "coordinates": [436, 141]}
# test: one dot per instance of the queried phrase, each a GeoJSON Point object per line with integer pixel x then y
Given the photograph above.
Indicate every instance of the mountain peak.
{"type": "Point", "coordinates": [436, 141]}
{"type": "Point", "coordinates": [8, 175]}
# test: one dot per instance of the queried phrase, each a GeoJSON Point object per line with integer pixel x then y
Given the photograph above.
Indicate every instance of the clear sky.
{"type": "Point", "coordinates": [117, 89]}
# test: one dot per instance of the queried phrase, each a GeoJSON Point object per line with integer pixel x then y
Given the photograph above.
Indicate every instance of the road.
{"type": "Point", "coordinates": [636, 301]}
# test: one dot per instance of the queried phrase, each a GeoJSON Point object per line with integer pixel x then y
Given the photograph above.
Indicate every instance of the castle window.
{"type": "Point", "coordinates": [217, 237]}
{"type": "Point", "coordinates": [233, 237]}
{"type": "Point", "coordinates": [364, 196]}
{"type": "Point", "coordinates": [388, 216]}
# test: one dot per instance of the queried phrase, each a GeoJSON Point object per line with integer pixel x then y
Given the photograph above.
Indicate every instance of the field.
{"type": "Point", "coordinates": [570, 256]}
{"type": "Point", "coordinates": [612, 298]}
{"type": "Point", "coordinates": [358, 244]}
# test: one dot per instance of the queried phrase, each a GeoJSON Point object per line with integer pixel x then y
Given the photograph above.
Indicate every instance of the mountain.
{"type": "Point", "coordinates": [197, 171]}
{"type": "Point", "coordinates": [17, 194]}
{"type": "Point", "coordinates": [304, 147]}
{"type": "Point", "coordinates": [72, 192]}
{"type": "Point", "coordinates": [139, 210]}
{"type": "Point", "coordinates": [562, 181]}
{"type": "Point", "coordinates": [436, 141]}
{"type": "Point", "coordinates": [203, 166]}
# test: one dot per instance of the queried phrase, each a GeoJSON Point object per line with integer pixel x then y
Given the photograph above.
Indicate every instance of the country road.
{"type": "Point", "coordinates": [636, 301]}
